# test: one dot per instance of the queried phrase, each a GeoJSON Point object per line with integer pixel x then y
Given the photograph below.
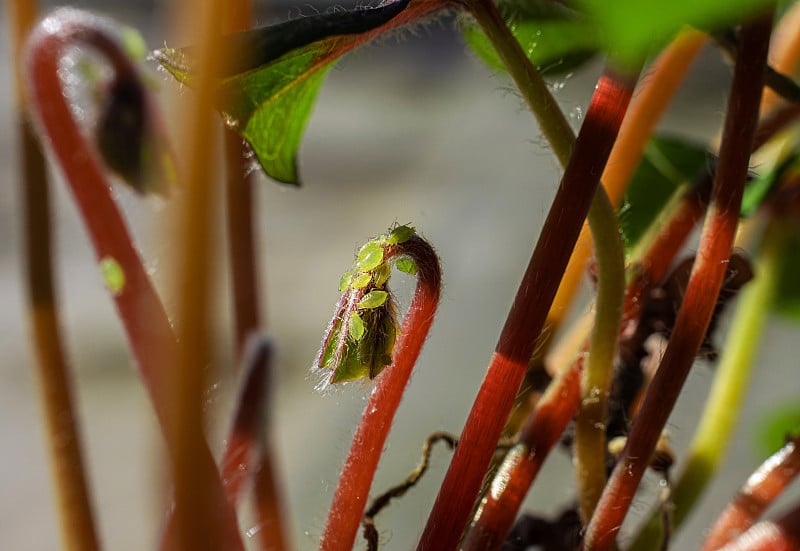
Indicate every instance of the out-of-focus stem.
{"type": "Point", "coordinates": [719, 417]}
{"type": "Point", "coordinates": [781, 534]}
{"type": "Point", "coordinates": [350, 497]}
{"type": "Point", "coordinates": [62, 429]}
{"type": "Point", "coordinates": [702, 290]}
{"type": "Point", "coordinates": [759, 492]}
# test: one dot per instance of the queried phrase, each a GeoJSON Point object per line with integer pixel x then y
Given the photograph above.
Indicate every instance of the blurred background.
{"type": "Point", "coordinates": [414, 130]}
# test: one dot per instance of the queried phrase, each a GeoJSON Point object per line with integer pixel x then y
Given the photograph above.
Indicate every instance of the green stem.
{"type": "Point", "coordinates": [590, 430]}
{"type": "Point", "coordinates": [721, 413]}
{"type": "Point", "coordinates": [551, 119]}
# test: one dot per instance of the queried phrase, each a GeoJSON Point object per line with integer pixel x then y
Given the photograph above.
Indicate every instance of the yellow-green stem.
{"type": "Point", "coordinates": [590, 430]}
{"type": "Point", "coordinates": [722, 408]}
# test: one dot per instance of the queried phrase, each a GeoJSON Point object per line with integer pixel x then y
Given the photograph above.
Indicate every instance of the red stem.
{"type": "Point", "coordinates": [350, 498]}
{"type": "Point", "coordinates": [510, 485]}
{"type": "Point", "coordinates": [528, 312]}
{"type": "Point", "coordinates": [782, 534]}
{"type": "Point", "coordinates": [759, 492]}
{"type": "Point", "coordinates": [146, 324]}
{"type": "Point", "coordinates": [702, 290]}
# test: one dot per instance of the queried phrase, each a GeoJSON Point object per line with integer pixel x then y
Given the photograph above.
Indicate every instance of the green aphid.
{"type": "Point", "coordinates": [381, 274]}
{"type": "Point", "coordinates": [373, 299]}
{"type": "Point", "coordinates": [360, 281]}
{"type": "Point", "coordinates": [407, 265]}
{"type": "Point", "coordinates": [370, 256]}
{"type": "Point", "coordinates": [400, 234]}
{"type": "Point", "coordinates": [344, 283]}
{"type": "Point", "coordinates": [356, 327]}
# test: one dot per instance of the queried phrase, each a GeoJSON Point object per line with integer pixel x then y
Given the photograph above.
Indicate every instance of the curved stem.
{"type": "Point", "coordinates": [62, 428]}
{"type": "Point", "coordinates": [701, 293]}
{"type": "Point", "coordinates": [759, 492]}
{"type": "Point", "coordinates": [146, 324]}
{"type": "Point", "coordinates": [718, 420]}
{"type": "Point", "coordinates": [350, 497]}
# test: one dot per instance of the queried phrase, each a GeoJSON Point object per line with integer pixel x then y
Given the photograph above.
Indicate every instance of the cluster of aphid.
{"type": "Point", "coordinates": [360, 338]}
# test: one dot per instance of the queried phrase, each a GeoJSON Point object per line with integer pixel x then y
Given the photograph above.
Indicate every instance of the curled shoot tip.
{"type": "Point", "coordinates": [360, 338]}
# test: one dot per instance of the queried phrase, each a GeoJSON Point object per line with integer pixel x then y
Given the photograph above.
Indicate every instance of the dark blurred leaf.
{"type": "Point", "coordinates": [761, 187]}
{"type": "Point", "coordinates": [787, 301]}
{"type": "Point", "coordinates": [668, 165]}
{"type": "Point", "coordinates": [775, 425]}
{"type": "Point", "coordinates": [268, 90]}
{"type": "Point", "coordinates": [556, 39]}
{"type": "Point", "coordinates": [633, 29]}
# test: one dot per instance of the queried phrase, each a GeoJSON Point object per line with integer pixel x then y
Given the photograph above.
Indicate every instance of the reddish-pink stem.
{"type": "Point", "coordinates": [759, 492]}
{"type": "Point", "coordinates": [701, 293]}
{"type": "Point", "coordinates": [528, 312]}
{"type": "Point", "coordinates": [510, 485]}
{"type": "Point", "coordinates": [350, 498]}
{"type": "Point", "coordinates": [146, 324]}
{"type": "Point", "coordinates": [782, 534]}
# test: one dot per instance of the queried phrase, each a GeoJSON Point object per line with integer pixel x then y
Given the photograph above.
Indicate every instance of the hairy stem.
{"type": "Point", "coordinates": [718, 420]}
{"type": "Point", "coordinates": [702, 290]}
{"type": "Point", "coordinates": [759, 492]}
{"type": "Point", "coordinates": [350, 497]}
{"type": "Point", "coordinates": [529, 310]}
{"type": "Point", "coordinates": [74, 508]}
{"type": "Point", "coordinates": [510, 485]}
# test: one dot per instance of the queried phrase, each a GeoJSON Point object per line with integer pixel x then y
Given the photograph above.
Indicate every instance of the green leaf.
{"type": "Point", "coordinates": [634, 29]}
{"type": "Point", "coordinates": [370, 256]}
{"type": "Point", "coordinates": [373, 299]}
{"type": "Point", "coordinates": [273, 74]}
{"type": "Point", "coordinates": [787, 301]}
{"type": "Point", "coordinates": [407, 265]}
{"type": "Point", "coordinates": [775, 425]}
{"type": "Point", "coordinates": [556, 38]}
{"type": "Point", "coordinates": [760, 188]}
{"type": "Point", "coordinates": [668, 164]}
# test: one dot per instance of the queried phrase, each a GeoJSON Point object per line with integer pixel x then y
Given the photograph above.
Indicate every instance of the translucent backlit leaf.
{"type": "Point", "coordinates": [272, 75]}
{"type": "Point", "coordinates": [633, 29]}
{"type": "Point", "coordinates": [555, 38]}
{"type": "Point", "coordinates": [373, 299]}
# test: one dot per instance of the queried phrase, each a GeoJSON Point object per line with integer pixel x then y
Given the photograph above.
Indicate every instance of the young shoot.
{"type": "Point", "coordinates": [360, 338]}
